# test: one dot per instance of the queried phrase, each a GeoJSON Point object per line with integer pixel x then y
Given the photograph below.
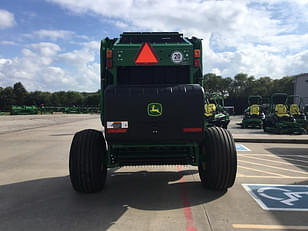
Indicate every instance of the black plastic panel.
{"type": "Point", "coordinates": [182, 107]}
{"type": "Point", "coordinates": [153, 75]}
{"type": "Point", "coordinates": [151, 37]}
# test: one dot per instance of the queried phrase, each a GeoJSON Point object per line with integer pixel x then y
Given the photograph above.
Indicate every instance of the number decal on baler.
{"type": "Point", "coordinates": [177, 57]}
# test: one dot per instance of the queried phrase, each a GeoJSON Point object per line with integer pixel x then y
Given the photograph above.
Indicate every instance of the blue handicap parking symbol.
{"type": "Point", "coordinates": [240, 147]}
{"type": "Point", "coordinates": [279, 197]}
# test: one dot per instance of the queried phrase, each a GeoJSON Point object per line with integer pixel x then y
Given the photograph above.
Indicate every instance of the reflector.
{"type": "Point", "coordinates": [197, 63]}
{"type": "Point", "coordinates": [109, 63]}
{"type": "Point", "coordinates": [146, 55]}
{"type": "Point", "coordinates": [192, 129]}
{"type": "Point", "coordinates": [116, 130]}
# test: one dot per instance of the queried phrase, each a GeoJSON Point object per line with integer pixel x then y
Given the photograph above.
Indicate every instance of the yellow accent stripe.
{"type": "Point", "coordinates": [281, 227]}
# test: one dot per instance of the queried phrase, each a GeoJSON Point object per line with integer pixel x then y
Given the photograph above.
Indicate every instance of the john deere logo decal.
{"type": "Point", "coordinates": [155, 109]}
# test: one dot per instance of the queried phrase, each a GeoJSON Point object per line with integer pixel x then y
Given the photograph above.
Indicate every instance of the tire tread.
{"type": "Point", "coordinates": [220, 158]}
{"type": "Point", "coordinates": [87, 155]}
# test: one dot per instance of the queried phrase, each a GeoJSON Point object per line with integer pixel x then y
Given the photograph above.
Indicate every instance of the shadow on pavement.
{"type": "Point", "coordinates": [300, 162]}
{"type": "Point", "coordinates": [51, 203]}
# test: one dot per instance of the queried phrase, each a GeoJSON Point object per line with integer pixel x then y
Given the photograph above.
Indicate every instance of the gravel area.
{"type": "Point", "coordinates": [23, 122]}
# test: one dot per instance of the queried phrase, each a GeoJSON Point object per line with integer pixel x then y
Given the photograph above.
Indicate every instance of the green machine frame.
{"type": "Point", "coordinates": [115, 54]}
{"type": "Point", "coordinates": [212, 149]}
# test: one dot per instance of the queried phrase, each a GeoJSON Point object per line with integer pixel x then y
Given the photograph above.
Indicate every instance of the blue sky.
{"type": "Point", "coordinates": [53, 45]}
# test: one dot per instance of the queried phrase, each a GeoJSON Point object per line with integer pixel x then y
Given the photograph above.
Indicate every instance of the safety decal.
{"type": "Point", "coordinates": [117, 124]}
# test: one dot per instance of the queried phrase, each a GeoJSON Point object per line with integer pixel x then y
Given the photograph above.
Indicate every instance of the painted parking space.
{"type": "Point", "coordinates": [241, 147]}
{"type": "Point", "coordinates": [278, 165]}
{"type": "Point", "coordinates": [279, 197]}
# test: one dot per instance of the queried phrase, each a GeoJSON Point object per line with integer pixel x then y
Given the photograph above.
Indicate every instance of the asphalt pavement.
{"type": "Point", "coordinates": [36, 194]}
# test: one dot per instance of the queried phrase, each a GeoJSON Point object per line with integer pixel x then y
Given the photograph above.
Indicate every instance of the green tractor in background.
{"type": "Point", "coordinates": [152, 111]}
{"type": "Point", "coordinates": [214, 112]}
{"type": "Point", "coordinates": [253, 115]}
{"type": "Point", "coordinates": [24, 110]}
{"type": "Point", "coordinates": [296, 109]}
{"type": "Point", "coordinates": [279, 120]}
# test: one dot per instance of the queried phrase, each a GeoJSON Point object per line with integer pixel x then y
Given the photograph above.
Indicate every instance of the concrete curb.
{"type": "Point", "coordinates": [265, 140]}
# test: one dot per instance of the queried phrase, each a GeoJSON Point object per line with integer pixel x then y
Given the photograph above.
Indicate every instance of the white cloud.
{"type": "Point", "coordinates": [46, 49]}
{"type": "Point", "coordinates": [9, 43]}
{"type": "Point", "coordinates": [6, 19]}
{"type": "Point", "coordinates": [198, 16]}
{"type": "Point", "coordinates": [54, 34]}
{"type": "Point", "coordinates": [261, 38]}
{"type": "Point", "coordinates": [44, 66]}
{"type": "Point", "coordinates": [5, 61]}
{"type": "Point", "coordinates": [76, 57]}
{"type": "Point", "coordinates": [256, 37]}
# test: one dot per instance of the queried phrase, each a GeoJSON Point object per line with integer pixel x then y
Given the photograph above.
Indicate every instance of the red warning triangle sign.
{"type": "Point", "coordinates": [146, 55]}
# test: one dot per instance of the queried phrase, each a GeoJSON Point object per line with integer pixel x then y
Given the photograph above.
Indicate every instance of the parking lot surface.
{"type": "Point", "coordinates": [36, 194]}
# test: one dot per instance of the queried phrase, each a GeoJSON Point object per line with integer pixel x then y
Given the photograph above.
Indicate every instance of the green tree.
{"type": "Point", "coordinates": [216, 84]}
{"type": "Point", "coordinates": [72, 98]}
{"type": "Point", "coordinates": [38, 98]}
{"type": "Point", "coordinates": [7, 98]}
{"type": "Point", "coordinates": [20, 93]}
{"type": "Point", "coordinates": [92, 99]}
{"type": "Point", "coordinates": [284, 85]}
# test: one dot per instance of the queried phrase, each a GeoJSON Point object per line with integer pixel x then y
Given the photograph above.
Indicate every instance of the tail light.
{"type": "Point", "coordinates": [197, 53]}
{"type": "Point", "coordinates": [197, 58]}
{"type": "Point", "coordinates": [192, 129]}
{"type": "Point", "coordinates": [109, 58]}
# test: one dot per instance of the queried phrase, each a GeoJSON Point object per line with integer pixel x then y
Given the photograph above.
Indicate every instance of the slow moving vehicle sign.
{"type": "Point", "coordinates": [146, 55]}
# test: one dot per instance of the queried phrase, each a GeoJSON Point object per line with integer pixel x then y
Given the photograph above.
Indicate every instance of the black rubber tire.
{"type": "Point", "coordinates": [218, 159]}
{"type": "Point", "coordinates": [87, 163]}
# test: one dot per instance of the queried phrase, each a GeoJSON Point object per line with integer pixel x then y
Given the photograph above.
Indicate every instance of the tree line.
{"type": "Point", "coordinates": [18, 95]}
{"type": "Point", "coordinates": [235, 91]}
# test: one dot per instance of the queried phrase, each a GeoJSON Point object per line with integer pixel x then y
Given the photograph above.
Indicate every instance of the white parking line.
{"type": "Point", "coordinates": [279, 162]}
{"type": "Point", "coordinates": [269, 166]}
{"type": "Point", "coordinates": [270, 177]}
{"type": "Point", "coordinates": [266, 172]}
{"type": "Point", "coordinates": [271, 155]}
{"type": "Point", "coordinates": [268, 227]}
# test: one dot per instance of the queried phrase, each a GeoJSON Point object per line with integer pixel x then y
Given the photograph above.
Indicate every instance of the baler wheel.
{"type": "Point", "coordinates": [218, 159]}
{"type": "Point", "coordinates": [87, 164]}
